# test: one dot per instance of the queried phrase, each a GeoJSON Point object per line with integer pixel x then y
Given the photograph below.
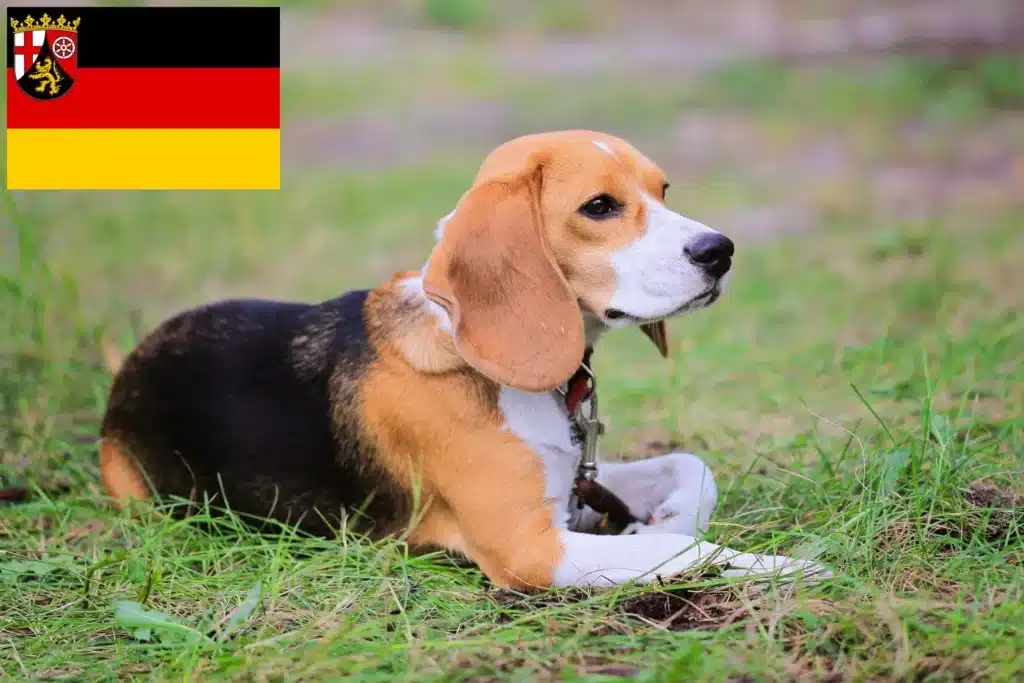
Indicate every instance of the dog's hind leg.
{"type": "Point", "coordinates": [120, 474]}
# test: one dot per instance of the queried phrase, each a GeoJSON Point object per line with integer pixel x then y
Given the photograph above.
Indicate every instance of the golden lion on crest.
{"type": "Point", "coordinates": [45, 72]}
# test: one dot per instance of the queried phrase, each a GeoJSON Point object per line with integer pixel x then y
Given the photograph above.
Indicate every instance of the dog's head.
{"type": "Point", "coordinates": [557, 229]}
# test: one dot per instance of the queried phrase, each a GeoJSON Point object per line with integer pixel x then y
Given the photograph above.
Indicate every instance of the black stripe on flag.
{"type": "Point", "coordinates": [167, 36]}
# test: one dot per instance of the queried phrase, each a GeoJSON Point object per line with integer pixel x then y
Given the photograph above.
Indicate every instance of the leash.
{"type": "Point", "coordinates": [581, 402]}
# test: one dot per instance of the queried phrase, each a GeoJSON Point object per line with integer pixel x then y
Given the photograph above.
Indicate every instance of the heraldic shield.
{"type": "Point", "coordinates": [45, 55]}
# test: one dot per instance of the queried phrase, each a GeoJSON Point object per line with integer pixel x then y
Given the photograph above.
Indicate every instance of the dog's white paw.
{"type": "Point", "coordinates": [781, 569]}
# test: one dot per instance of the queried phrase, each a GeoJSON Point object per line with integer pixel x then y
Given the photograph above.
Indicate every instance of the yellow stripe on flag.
{"type": "Point", "coordinates": [143, 159]}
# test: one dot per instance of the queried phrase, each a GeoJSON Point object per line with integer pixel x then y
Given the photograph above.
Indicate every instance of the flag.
{"type": "Point", "coordinates": [104, 98]}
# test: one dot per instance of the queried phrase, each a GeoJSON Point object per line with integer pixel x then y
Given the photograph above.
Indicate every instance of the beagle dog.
{"type": "Point", "coordinates": [432, 407]}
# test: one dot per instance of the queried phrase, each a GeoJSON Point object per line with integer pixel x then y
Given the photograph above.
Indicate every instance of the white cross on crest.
{"type": "Point", "coordinates": [31, 51]}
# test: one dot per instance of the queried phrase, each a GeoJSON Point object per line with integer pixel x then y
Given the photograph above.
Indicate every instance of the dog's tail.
{"type": "Point", "coordinates": [113, 356]}
{"type": "Point", "coordinates": [113, 353]}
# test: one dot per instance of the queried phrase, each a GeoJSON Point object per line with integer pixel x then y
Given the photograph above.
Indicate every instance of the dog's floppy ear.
{"type": "Point", "coordinates": [514, 317]}
{"type": "Point", "coordinates": [657, 334]}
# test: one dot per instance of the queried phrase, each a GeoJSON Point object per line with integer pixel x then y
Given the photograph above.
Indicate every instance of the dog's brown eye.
{"type": "Point", "coordinates": [601, 206]}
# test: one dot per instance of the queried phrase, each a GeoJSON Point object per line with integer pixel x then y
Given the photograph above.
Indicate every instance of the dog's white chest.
{"type": "Point", "coordinates": [542, 422]}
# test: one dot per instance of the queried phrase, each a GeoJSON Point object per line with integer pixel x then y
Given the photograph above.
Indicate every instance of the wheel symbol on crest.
{"type": "Point", "coordinates": [63, 47]}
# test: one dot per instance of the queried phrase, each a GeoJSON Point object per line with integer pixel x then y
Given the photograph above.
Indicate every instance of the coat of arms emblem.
{"type": "Point", "coordinates": [45, 55]}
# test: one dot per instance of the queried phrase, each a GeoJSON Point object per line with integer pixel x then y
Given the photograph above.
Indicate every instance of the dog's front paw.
{"type": "Point", "coordinates": [765, 568]}
{"type": "Point", "coordinates": [672, 517]}
{"type": "Point", "coordinates": [688, 507]}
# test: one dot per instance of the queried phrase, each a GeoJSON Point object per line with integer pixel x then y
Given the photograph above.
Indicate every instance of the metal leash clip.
{"type": "Point", "coordinates": [615, 515]}
{"type": "Point", "coordinates": [586, 417]}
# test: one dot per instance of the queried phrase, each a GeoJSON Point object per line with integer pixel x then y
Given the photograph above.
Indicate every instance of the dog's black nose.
{"type": "Point", "coordinates": [712, 251]}
{"type": "Point", "coordinates": [709, 248]}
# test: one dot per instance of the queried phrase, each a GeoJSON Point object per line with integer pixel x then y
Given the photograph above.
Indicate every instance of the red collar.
{"type": "Point", "coordinates": [579, 387]}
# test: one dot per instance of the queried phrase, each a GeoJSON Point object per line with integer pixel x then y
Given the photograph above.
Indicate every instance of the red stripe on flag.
{"type": "Point", "coordinates": [154, 98]}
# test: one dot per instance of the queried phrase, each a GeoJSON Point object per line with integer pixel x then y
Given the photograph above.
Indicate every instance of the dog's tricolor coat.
{"type": "Point", "coordinates": [428, 406]}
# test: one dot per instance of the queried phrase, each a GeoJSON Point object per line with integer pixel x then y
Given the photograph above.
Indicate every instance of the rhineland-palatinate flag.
{"type": "Point", "coordinates": [139, 98]}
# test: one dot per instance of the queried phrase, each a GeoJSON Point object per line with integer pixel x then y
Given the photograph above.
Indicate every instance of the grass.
{"type": "Point", "coordinates": [858, 393]}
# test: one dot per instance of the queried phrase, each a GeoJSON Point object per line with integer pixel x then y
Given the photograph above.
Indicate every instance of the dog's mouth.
{"type": "Point", "coordinates": [702, 300]}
